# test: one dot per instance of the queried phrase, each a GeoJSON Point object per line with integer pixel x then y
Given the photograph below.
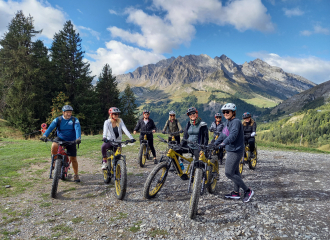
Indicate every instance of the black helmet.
{"type": "Point", "coordinates": [192, 109]}
{"type": "Point", "coordinates": [246, 115]}
{"type": "Point", "coordinates": [217, 115]}
{"type": "Point", "coordinates": [67, 108]}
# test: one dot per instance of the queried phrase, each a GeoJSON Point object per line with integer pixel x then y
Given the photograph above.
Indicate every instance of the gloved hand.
{"type": "Point", "coordinates": [221, 145]}
{"type": "Point", "coordinates": [133, 140]}
{"type": "Point", "coordinates": [163, 132]}
{"type": "Point", "coordinates": [253, 134]}
{"type": "Point", "coordinates": [105, 140]}
{"type": "Point", "coordinates": [43, 138]}
{"type": "Point", "coordinates": [181, 131]}
{"type": "Point", "coordinates": [78, 141]}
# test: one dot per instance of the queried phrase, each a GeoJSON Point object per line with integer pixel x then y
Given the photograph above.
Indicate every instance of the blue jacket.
{"type": "Point", "coordinates": [68, 131]}
{"type": "Point", "coordinates": [232, 136]}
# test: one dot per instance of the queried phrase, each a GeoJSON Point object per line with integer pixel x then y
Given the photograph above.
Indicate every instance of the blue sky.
{"type": "Point", "coordinates": [291, 34]}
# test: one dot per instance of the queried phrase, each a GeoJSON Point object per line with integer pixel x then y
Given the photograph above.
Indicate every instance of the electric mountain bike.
{"type": "Point", "coordinates": [206, 175]}
{"type": "Point", "coordinates": [60, 164]}
{"type": "Point", "coordinates": [247, 158]}
{"type": "Point", "coordinates": [116, 167]}
{"type": "Point", "coordinates": [145, 151]}
{"type": "Point", "coordinates": [218, 153]}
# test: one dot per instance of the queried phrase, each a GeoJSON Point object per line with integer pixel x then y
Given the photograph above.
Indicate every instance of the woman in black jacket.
{"type": "Point", "coordinates": [250, 128]}
{"type": "Point", "coordinates": [146, 124]}
{"type": "Point", "coordinates": [195, 131]}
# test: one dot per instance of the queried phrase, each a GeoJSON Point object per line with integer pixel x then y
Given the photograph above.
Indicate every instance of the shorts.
{"type": "Point", "coordinates": [71, 150]}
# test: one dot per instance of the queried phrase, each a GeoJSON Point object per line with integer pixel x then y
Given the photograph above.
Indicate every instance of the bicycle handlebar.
{"type": "Point", "coordinates": [66, 143]}
{"type": "Point", "coordinates": [171, 144]}
{"type": "Point", "coordinates": [174, 133]}
{"type": "Point", "coordinates": [146, 132]}
{"type": "Point", "coordinates": [122, 142]}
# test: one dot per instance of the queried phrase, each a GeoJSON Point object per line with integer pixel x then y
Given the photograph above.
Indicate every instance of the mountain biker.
{"type": "Point", "coordinates": [232, 138]}
{"type": "Point", "coordinates": [68, 130]}
{"type": "Point", "coordinates": [112, 131]}
{"type": "Point", "coordinates": [216, 126]}
{"type": "Point", "coordinates": [195, 131]}
{"type": "Point", "coordinates": [249, 127]}
{"type": "Point", "coordinates": [173, 125]}
{"type": "Point", "coordinates": [147, 124]}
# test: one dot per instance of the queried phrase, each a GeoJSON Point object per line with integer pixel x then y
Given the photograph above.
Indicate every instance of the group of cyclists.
{"type": "Point", "coordinates": [232, 136]}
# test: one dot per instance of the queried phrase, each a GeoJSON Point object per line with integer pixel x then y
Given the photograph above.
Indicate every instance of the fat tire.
{"type": "Point", "coordinates": [251, 165]}
{"type": "Point", "coordinates": [160, 166]}
{"type": "Point", "coordinates": [121, 185]}
{"type": "Point", "coordinates": [193, 204]}
{"type": "Point", "coordinates": [211, 186]}
{"type": "Point", "coordinates": [141, 154]}
{"type": "Point", "coordinates": [56, 177]}
{"type": "Point", "coordinates": [240, 166]}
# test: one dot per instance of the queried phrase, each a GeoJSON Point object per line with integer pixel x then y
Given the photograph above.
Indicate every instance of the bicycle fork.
{"type": "Point", "coordinates": [51, 167]}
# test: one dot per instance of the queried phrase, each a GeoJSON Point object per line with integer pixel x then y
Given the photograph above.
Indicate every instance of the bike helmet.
{"type": "Point", "coordinates": [171, 113]}
{"type": "Point", "coordinates": [67, 108]}
{"type": "Point", "coordinates": [146, 111]}
{"type": "Point", "coordinates": [229, 106]}
{"type": "Point", "coordinates": [113, 110]}
{"type": "Point", "coordinates": [192, 109]}
{"type": "Point", "coordinates": [246, 115]}
{"type": "Point", "coordinates": [217, 115]}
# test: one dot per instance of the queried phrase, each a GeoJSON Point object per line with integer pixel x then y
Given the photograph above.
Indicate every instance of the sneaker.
{"type": "Point", "coordinates": [104, 165]}
{"type": "Point", "coordinates": [247, 195]}
{"type": "Point", "coordinates": [155, 161]}
{"type": "Point", "coordinates": [76, 178]}
{"type": "Point", "coordinates": [233, 195]}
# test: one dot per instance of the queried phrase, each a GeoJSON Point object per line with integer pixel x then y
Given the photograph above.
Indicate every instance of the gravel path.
{"type": "Point", "coordinates": [291, 201]}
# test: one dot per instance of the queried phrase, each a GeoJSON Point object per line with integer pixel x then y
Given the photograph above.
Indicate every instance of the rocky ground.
{"type": "Point", "coordinates": [291, 201]}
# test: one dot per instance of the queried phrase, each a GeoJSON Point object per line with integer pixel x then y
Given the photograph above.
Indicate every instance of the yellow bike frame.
{"type": "Point", "coordinates": [118, 152]}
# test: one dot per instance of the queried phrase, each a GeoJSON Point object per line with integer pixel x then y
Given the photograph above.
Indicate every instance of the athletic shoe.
{"type": "Point", "coordinates": [76, 178]}
{"type": "Point", "coordinates": [155, 161]}
{"type": "Point", "coordinates": [247, 195]}
{"type": "Point", "coordinates": [233, 195]}
{"type": "Point", "coordinates": [104, 165]}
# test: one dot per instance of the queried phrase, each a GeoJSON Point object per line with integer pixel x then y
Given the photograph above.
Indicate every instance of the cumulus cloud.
{"type": "Point", "coordinates": [113, 12]}
{"type": "Point", "coordinates": [293, 12]}
{"type": "Point", "coordinates": [162, 34]}
{"type": "Point", "coordinates": [316, 30]}
{"type": "Point", "coordinates": [91, 31]}
{"type": "Point", "coordinates": [312, 68]}
{"type": "Point", "coordinates": [120, 57]}
{"type": "Point", "coordinates": [45, 16]}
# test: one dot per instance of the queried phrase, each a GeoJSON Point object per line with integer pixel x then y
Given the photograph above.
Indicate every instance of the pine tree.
{"type": "Point", "coordinates": [72, 74]}
{"type": "Point", "coordinates": [129, 108]}
{"type": "Point", "coordinates": [107, 91]}
{"type": "Point", "coordinates": [20, 79]}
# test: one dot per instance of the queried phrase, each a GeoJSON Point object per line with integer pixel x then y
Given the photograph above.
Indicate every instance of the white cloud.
{"type": "Point", "coordinates": [113, 12]}
{"type": "Point", "coordinates": [121, 58]}
{"type": "Point", "coordinates": [312, 68]}
{"type": "Point", "coordinates": [162, 34]}
{"type": "Point", "coordinates": [317, 30]}
{"type": "Point", "coordinates": [94, 33]}
{"type": "Point", "coordinates": [45, 16]}
{"type": "Point", "coordinates": [79, 11]}
{"type": "Point", "coordinates": [293, 12]}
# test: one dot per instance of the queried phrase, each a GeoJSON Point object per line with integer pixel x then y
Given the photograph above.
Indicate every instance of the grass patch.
{"type": "Point", "coordinates": [45, 204]}
{"type": "Point", "coordinates": [58, 214]}
{"type": "Point", "coordinates": [62, 227]}
{"type": "Point", "coordinates": [90, 195]}
{"type": "Point", "coordinates": [139, 174]}
{"type": "Point", "coordinates": [77, 220]}
{"type": "Point", "coordinates": [120, 215]}
{"type": "Point", "coordinates": [27, 212]}
{"type": "Point", "coordinates": [156, 232]}
{"type": "Point", "coordinates": [70, 189]}
{"type": "Point", "coordinates": [288, 147]}
{"type": "Point", "coordinates": [136, 227]}
{"type": "Point", "coordinates": [10, 220]}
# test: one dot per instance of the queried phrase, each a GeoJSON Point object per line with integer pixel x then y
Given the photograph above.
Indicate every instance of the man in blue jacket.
{"type": "Point", "coordinates": [68, 129]}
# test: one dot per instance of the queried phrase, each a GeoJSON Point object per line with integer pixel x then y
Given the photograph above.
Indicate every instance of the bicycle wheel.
{"type": "Point", "coordinates": [121, 179]}
{"type": "Point", "coordinates": [240, 166]}
{"type": "Point", "coordinates": [155, 180]}
{"type": "Point", "coordinates": [195, 194]}
{"type": "Point", "coordinates": [56, 177]}
{"type": "Point", "coordinates": [212, 180]}
{"type": "Point", "coordinates": [253, 161]}
{"type": "Point", "coordinates": [142, 155]}
{"type": "Point", "coordinates": [107, 173]}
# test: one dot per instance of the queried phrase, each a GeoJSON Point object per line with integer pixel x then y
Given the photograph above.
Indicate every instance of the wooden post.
{"type": "Point", "coordinates": [301, 138]}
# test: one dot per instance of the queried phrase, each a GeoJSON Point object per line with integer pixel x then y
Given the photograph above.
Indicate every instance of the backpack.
{"type": "Point", "coordinates": [168, 123]}
{"type": "Point", "coordinates": [59, 120]}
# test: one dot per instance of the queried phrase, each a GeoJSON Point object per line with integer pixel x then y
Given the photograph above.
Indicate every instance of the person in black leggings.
{"type": "Point", "coordinates": [232, 138]}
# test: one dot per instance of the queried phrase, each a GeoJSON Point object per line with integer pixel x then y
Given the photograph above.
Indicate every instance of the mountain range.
{"type": "Point", "coordinates": [192, 73]}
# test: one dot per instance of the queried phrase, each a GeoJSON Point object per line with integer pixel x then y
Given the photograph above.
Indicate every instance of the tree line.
{"type": "Point", "coordinates": [36, 81]}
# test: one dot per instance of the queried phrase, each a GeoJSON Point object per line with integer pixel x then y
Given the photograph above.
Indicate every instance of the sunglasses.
{"type": "Point", "coordinates": [217, 117]}
{"type": "Point", "coordinates": [225, 112]}
{"type": "Point", "coordinates": [172, 115]}
{"type": "Point", "coordinates": [116, 114]}
{"type": "Point", "coordinates": [191, 113]}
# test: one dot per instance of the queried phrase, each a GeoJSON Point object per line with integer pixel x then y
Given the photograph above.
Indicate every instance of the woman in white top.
{"type": "Point", "coordinates": [112, 131]}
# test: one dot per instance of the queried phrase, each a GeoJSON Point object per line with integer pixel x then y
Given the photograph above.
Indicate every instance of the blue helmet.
{"type": "Point", "coordinates": [67, 108]}
{"type": "Point", "coordinates": [246, 115]}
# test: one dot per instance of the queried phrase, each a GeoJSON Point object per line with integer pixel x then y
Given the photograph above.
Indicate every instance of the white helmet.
{"type": "Point", "coordinates": [171, 113]}
{"type": "Point", "coordinates": [229, 106]}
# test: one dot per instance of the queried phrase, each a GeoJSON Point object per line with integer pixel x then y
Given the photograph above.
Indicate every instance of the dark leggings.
{"type": "Point", "coordinates": [232, 170]}
{"type": "Point", "coordinates": [177, 139]}
{"type": "Point", "coordinates": [150, 139]}
{"type": "Point", "coordinates": [195, 152]}
{"type": "Point", "coordinates": [251, 141]}
{"type": "Point", "coordinates": [104, 148]}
